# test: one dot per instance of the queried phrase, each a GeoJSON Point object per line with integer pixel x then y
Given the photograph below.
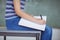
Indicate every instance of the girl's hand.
{"type": "Point", "coordinates": [41, 22]}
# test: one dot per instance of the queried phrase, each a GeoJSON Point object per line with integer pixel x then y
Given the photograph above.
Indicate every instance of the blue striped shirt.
{"type": "Point", "coordinates": [10, 12]}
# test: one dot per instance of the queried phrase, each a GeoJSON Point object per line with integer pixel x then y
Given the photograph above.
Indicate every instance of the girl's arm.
{"type": "Point", "coordinates": [24, 15]}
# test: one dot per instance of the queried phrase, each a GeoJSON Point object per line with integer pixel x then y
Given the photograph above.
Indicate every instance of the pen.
{"type": "Point", "coordinates": [41, 16]}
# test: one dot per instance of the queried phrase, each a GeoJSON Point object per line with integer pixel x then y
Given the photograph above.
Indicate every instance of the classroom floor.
{"type": "Point", "coordinates": [56, 34]}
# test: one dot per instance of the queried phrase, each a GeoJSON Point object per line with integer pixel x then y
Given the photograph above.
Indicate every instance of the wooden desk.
{"type": "Point", "coordinates": [5, 33]}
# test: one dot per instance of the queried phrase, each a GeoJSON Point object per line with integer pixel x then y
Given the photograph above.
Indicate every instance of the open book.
{"type": "Point", "coordinates": [33, 25]}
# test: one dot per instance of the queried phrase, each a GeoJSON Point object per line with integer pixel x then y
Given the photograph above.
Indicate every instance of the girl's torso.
{"type": "Point", "coordinates": [10, 13]}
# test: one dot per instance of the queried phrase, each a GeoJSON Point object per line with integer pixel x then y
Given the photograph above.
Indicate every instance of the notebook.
{"type": "Point", "coordinates": [29, 24]}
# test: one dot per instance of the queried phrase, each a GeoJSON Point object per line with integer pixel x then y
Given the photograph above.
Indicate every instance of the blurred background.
{"type": "Point", "coordinates": [49, 8]}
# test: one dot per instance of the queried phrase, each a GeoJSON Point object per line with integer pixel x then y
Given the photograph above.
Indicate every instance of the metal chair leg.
{"type": "Point", "coordinates": [4, 37]}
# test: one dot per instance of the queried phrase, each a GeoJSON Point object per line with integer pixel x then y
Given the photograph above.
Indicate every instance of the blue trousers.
{"type": "Point", "coordinates": [12, 24]}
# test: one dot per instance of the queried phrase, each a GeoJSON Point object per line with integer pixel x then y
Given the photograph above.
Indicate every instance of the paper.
{"type": "Point", "coordinates": [33, 25]}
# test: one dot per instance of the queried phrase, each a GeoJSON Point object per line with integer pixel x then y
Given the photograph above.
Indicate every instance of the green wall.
{"type": "Point", "coordinates": [49, 8]}
{"type": "Point", "coordinates": [2, 12]}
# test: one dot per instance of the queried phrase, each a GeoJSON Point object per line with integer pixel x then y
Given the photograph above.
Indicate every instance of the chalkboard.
{"type": "Point", "coordinates": [2, 13]}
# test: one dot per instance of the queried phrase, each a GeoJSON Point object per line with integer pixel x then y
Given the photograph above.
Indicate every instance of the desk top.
{"type": "Point", "coordinates": [3, 29]}
{"type": "Point", "coordinates": [4, 32]}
